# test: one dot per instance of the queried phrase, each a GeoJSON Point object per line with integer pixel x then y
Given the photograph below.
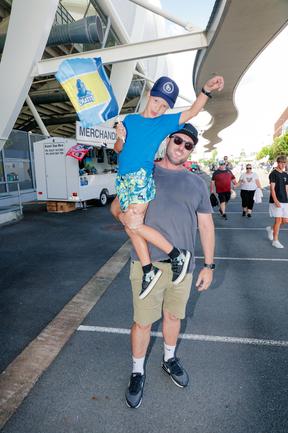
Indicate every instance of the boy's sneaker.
{"type": "Point", "coordinates": [149, 280]}
{"type": "Point", "coordinates": [277, 244]}
{"type": "Point", "coordinates": [134, 392]}
{"type": "Point", "coordinates": [175, 370]}
{"type": "Point", "coordinates": [180, 265]}
{"type": "Point", "coordinates": [269, 233]}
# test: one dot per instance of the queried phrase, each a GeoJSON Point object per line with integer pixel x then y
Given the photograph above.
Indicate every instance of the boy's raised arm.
{"type": "Point", "coordinates": [215, 83]}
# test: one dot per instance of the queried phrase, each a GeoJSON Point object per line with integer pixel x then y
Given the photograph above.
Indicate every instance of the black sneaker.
{"type": "Point", "coordinates": [134, 392]}
{"type": "Point", "coordinates": [149, 280]}
{"type": "Point", "coordinates": [180, 265]}
{"type": "Point", "coordinates": [243, 213]}
{"type": "Point", "coordinates": [224, 216]}
{"type": "Point", "coordinates": [249, 215]}
{"type": "Point", "coordinates": [175, 370]}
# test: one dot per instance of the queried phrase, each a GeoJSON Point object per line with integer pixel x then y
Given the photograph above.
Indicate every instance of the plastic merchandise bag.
{"type": "Point", "coordinates": [213, 200]}
{"type": "Point", "coordinates": [233, 194]}
{"type": "Point", "coordinates": [258, 195]}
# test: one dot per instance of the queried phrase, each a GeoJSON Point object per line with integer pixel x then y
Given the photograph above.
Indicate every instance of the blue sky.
{"type": "Point", "coordinates": [195, 11]}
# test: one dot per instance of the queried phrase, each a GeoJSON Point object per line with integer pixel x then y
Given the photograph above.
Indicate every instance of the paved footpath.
{"type": "Point", "coordinates": [234, 340]}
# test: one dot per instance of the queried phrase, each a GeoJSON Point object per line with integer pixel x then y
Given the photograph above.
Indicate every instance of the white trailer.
{"type": "Point", "coordinates": [64, 178]}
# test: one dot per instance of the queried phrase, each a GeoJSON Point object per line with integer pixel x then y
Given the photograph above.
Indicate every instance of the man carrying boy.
{"type": "Point", "coordinates": [138, 141]}
{"type": "Point", "coordinates": [182, 202]}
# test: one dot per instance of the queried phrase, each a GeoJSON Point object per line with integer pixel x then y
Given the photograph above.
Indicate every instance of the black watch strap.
{"type": "Point", "coordinates": [206, 93]}
{"type": "Point", "coordinates": [211, 266]}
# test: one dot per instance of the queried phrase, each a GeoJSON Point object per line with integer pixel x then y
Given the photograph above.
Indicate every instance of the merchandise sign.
{"type": "Point", "coordinates": [96, 136]}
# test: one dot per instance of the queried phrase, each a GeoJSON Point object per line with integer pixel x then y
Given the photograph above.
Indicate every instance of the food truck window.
{"type": "Point", "coordinates": [100, 154]}
{"type": "Point", "coordinates": [112, 157]}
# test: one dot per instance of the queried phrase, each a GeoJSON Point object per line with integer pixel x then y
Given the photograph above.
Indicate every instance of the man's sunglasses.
{"type": "Point", "coordinates": [178, 140]}
{"type": "Point", "coordinates": [248, 168]}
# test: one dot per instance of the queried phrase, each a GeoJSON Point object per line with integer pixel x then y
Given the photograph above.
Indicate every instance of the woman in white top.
{"type": "Point", "coordinates": [248, 182]}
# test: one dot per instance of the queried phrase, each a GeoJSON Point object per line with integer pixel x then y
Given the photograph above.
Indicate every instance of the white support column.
{"type": "Point", "coordinates": [37, 117]}
{"type": "Point", "coordinates": [29, 27]}
{"type": "Point", "coordinates": [121, 77]}
{"type": "Point", "coordinates": [122, 73]}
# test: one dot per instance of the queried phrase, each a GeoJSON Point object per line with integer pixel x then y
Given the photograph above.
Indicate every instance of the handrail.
{"type": "Point", "coordinates": [18, 190]}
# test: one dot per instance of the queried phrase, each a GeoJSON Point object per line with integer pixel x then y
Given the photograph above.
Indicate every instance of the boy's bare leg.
{"type": "Point", "coordinates": [134, 220]}
{"type": "Point", "coordinates": [139, 244]}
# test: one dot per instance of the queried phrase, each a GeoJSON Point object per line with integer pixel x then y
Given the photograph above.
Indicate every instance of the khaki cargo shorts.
{"type": "Point", "coordinates": [164, 295]}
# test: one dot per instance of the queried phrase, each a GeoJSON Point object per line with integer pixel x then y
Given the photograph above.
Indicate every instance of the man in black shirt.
{"type": "Point", "coordinates": [278, 202]}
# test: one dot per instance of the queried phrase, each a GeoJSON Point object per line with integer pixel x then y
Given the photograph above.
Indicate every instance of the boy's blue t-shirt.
{"type": "Point", "coordinates": [143, 138]}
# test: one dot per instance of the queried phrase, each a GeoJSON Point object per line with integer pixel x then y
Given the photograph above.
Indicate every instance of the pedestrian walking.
{"type": "Point", "coordinates": [248, 183]}
{"type": "Point", "coordinates": [221, 182]}
{"type": "Point", "coordinates": [278, 201]}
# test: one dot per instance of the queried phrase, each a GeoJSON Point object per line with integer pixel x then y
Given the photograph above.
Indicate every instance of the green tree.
{"type": "Point", "coordinates": [278, 147]}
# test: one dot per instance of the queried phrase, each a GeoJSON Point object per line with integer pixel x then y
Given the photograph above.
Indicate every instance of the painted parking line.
{"type": "Point", "coordinates": [194, 337]}
{"type": "Point", "coordinates": [246, 228]}
{"type": "Point", "coordinates": [258, 259]}
{"type": "Point", "coordinates": [20, 376]}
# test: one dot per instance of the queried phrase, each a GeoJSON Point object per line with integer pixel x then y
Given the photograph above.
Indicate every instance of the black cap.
{"type": "Point", "coordinates": [189, 130]}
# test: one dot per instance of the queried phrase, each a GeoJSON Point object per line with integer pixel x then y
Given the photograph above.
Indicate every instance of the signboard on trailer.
{"type": "Point", "coordinates": [96, 136]}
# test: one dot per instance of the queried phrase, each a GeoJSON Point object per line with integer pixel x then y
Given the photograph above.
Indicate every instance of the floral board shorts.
{"type": "Point", "coordinates": [133, 188]}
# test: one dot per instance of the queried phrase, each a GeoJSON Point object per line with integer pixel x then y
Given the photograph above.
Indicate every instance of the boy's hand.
{"type": "Point", "coordinates": [215, 83]}
{"type": "Point", "coordinates": [121, 131]}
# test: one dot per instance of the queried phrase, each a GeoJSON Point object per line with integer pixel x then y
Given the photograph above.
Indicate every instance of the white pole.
{"type": "Point", "coordinates": [37, 117]}
{"type": "Point", "coordinates": [186, 25]}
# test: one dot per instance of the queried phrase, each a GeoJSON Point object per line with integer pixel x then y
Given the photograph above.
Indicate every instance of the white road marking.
{"type": "Point", "coordinates": [258, 259]}
{"type": "Point", "coordinates": [194, 337]}
{"type": "Point", "coordinates": [245, 228]}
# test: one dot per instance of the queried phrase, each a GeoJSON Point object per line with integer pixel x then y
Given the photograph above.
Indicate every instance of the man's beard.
{"type": "Point", "coordinates": [173, 161]}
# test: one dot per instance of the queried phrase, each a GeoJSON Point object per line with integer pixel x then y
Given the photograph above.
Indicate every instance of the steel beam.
{"type": "Point", "coordinates": [135, 51]}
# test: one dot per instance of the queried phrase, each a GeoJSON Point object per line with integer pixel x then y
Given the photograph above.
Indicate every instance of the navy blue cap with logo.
{"type": "Point", "coordinates": [189, 130]}
{"type": "Point", "coordinates": [167, 89]}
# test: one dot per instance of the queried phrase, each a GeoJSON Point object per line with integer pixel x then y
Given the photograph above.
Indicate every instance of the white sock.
{"type": "Point", "coordinates": [138, 365]}
{"type": "Point", "coordinates": [169, 352]}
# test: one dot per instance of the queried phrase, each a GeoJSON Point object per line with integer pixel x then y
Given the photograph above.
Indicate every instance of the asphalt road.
{"type": "Point", "coordinates": [235, 345]}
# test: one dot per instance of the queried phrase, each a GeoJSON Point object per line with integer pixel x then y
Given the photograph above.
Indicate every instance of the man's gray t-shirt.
{"type": "Point", "coordinates": [179, 196]}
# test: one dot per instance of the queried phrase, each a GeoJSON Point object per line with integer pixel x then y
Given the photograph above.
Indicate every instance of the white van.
{"type": "Point", "coordinates": [63, 178]}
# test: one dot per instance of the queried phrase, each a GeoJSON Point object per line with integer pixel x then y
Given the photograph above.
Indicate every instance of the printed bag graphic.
{"type": "Point", "coordinates": [78, 151]}
{"type": "Point", "coordinates": [89, 90]}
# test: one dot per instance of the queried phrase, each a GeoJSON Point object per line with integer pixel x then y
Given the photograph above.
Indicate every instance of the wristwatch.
{"type": "Point", "coordinates": [206, 93]}
{"type": "Point", "coordinates": [210, 266]}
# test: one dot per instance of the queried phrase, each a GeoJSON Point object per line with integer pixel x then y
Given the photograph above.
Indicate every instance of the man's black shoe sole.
{"type": "Point", "coordinates": [181, 277]}
{"type": "Point", "coordinates": [151, 285]}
